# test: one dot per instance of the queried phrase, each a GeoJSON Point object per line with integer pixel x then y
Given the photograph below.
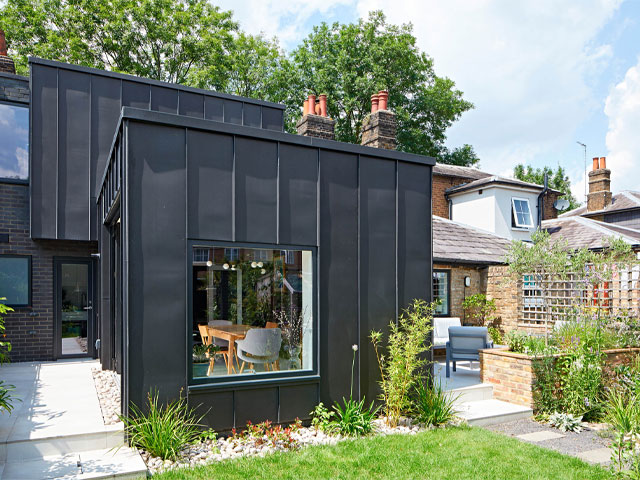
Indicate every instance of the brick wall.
{"type": "Point", "coordinates": [549, 212]}
{"type": "Point", "coordinates": [505, 292]}
{"type": "Point", "coordinates": [458, 291]}
{"type": "Point", "coordinates": [14, 88]}
{"type": "Point", "coordinates": [30, 329]}
{"type": "Point", "coordinates": [438, 200]}
{"type": "Point", "coordinates": [512, 376]}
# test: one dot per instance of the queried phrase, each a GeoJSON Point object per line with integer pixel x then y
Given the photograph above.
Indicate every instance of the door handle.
{"type": "Point", "coordinates": [88, 308]}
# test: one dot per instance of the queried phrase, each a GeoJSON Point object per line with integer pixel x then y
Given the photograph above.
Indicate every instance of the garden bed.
{"type": "Point", "coordinates": [512, 374]}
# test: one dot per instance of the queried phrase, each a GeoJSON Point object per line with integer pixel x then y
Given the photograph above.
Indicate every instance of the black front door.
{"type": "Point", "coordinates": [74, 307]}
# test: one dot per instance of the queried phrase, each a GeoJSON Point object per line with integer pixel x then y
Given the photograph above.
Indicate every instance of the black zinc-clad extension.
{"type": "Point", "coordinates": [173, 182]}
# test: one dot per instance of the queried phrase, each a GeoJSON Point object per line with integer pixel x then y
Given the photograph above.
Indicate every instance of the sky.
{"type": "Point", "coordinates": [543, 75]}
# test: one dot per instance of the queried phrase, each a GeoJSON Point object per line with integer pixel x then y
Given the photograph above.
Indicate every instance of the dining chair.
{"type": "Point", "coordinates": [260, 345]}
{"type": "Point", "coordinates": [271, 325]}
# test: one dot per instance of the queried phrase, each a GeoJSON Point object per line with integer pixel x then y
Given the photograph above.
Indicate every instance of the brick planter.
{"type": "Point", "coordinates": [512, 377]}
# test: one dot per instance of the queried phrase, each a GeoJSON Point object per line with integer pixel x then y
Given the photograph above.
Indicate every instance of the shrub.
{"type": "Point", "coordinates": [433, 405]}
{"type": "Point", "coordinates": [546, 388]}
{"type": "Point", "coordinates": [496, 336]}
{"type": "Point", "coordinates": [266, 433]}
{"type": "Point", "coordinates": [582, 385]}
{"type": "Point", "coordinates": [322, 418]}
{"type": "Point", "coordinates": [566, 422]}
{"type": "Point", "coordinates": [6, 399]}
{"type": "Point", "coordinates": [479, 309]}
{"type": "Point", "coordinates": [403, 364]}
{"type": "Point", "coordinates": [354, 418]}
{"type": "Point", "coordinates": [623, 414]}
{"type": "Point", "coordinates": [165, 430]}
{"type": "Point", "coordinates": [5, 347]}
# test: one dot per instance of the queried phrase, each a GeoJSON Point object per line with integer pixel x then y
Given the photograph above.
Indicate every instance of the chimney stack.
{"type": "Point", "coordinates": [6, 64]}
{"type": "Point", "coordinates": [315, 122]}
{"type": "Point", "coordinates": [599, 196]}
{"type": "Point", "coordinates": [379, 127]}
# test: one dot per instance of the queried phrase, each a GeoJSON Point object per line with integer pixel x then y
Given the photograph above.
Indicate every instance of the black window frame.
{"type": "Point", "coordinates": [20, 181]}
{"type": "Point", "coordinates": [29, 281]}
{"type": "Point", "coordinates": [433, 293]}
{"type": "Point", "coordinates": [264, 378]}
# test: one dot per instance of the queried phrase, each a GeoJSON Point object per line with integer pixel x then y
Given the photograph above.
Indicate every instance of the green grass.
{"type": "Point", "coordinates": [445, 454]}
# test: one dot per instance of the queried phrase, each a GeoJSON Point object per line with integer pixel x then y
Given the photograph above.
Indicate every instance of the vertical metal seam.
{"type": "Point", "coordinates": [91, 189]}
{"type": "Point", "coordinates": [178, 103]}
{"type": "Point", "coordinates": [233, 192]}
{"type": "Point", "coordinates": [359, 271]}
{"type": "Point", "coordinates": [318, 273]}
{"type": "Point", "coordinates": [397, 165]}
{"type": "Point", "coordinates": [278, 193]}
{"type": "Point", "coordinates": [188, 267]}
{"type": "Point", "coordinates": [57, 148]}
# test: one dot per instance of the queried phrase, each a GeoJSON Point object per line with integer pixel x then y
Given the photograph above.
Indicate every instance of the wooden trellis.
{"type": "Point", "coordinates": [546, 298]}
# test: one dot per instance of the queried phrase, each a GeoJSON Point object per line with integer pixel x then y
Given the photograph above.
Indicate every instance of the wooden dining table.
{"type": "Point", "coordinates": [230, 333]}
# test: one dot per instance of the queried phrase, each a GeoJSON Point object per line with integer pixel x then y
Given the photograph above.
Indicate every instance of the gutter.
{"type": "Point", "coordinates": [541, 200]}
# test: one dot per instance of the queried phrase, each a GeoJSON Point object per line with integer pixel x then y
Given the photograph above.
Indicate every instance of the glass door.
{"type": "Point", "coordinates": [74, 307]}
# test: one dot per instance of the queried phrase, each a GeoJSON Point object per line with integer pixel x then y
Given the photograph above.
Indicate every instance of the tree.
{"type": "Point", "coordinates": [350, 62]}
{"type": "Point", "coordinates": [558, 180]}
{"type": "Point", "coordinates": [161, 39]}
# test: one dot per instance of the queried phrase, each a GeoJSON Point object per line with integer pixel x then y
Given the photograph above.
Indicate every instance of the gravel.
{"type": "Point", "coordinates": [107, 385]}
{"type": "Point", "coordinates": [591, 438]}
{"type": "Point", "coordinates": [221, 449]}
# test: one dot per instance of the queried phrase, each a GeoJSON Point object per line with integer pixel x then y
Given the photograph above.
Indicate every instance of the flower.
{"type": "Point", "coordinates": [354, 347]}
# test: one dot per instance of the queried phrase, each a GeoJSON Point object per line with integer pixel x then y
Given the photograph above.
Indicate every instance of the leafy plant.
{"type": "Point", "coordinates": [566, 422]}
{"type": "Point", "coordinates": [623, 414]}
{"type": "Point", "coordinates": [354, 418]}
{"type": "Point", "coordinates": [202, 353]}
{"type": "Point", "coordinates": [323, 419]}
{"type": "Point", "coordinates": [5, 347]}
{"type": "Point", "coordinates": [402, 366]}
{"type": "Point", "coordinates": [166, 429]}
{"type": "Point", "coordinates": [6, 398]}
{"type": "Point", "coordinates": [480, 309]}
{"type": "Point", "coordinates": [208, 434]}
{"type": "Point", "coordinates": [267, 433]}
{"type": "Point", "coordinates": [433, 405]}
{"type": "Point", "coordinates": [496, 336]}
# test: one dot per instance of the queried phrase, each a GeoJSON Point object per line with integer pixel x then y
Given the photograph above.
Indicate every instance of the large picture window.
{"type": "Point", "coordinates": [15, 280]}
{"type": "Point", "coordinates": [441, 292]}
{"type": "Point", "coordinates": [14, 142]}
{"type": "Point", "coordinates": [252, 311]}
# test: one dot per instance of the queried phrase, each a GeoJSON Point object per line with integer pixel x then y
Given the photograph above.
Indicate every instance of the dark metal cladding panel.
{"type": "Point", "coordinates": [105, 112]}
{"type": "Point", "coordinates": [414, 233]}
{"type": "Point", "coordinates": [272, 119]}
{"type": "Point", "coordinates": [214, 109]}
{"type": "Point", "coordinates": [210, 185]}
{"type": "Point", "coordinates": [338, 284]}
{"type": "Point", "coordinates": [156, 222]}
{"type": "Point", "coordinates": [191, 104]}
{"type": "Point", "coordinates": [256, 405]}
{"type": "Point", "coordinates": [252, 115]}
{"type": "Point", "coordinates": [164, 99]}
{"type": "Point", "coordinates": [377, 260]}
{"type": "Point", "coordinates": [44, 154]}
{"type": "Point", "coordinates": [74, 128]}
{"type": "Point", "coordinates": [106, 276]}
{"type": "Point", "coordinates": [256, 190]}
{"type": "Point", "coordinates": [137, 95]}
{"type": "Point", "coordinates": [298, 195]}
{"type": "Point", "coordinates": [297, 401]}
{"type": "Point", "coordinates": [217, 408]}
{"type": "Point", "coordinates": [233, 112]}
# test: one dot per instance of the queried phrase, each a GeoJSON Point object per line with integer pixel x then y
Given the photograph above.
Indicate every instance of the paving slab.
{"type": "Point", "coordinates": [598, 455]}
{"type": "Point", "coordinates": [541, 436]}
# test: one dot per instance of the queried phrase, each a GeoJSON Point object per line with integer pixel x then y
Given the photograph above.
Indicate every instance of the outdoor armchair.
{"type": "Point", "coordinates": [465, 343]}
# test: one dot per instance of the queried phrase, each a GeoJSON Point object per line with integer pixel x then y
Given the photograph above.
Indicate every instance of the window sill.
{"type": "Point", "coordinates": [252, 382]}
{"type": "Point", "coordinates": [522, 229]}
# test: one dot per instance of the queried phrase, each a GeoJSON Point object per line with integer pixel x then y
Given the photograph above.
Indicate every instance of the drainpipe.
{"type": "Point", "coordinates": [541, 200]}
{"type": "Point", "coordinates": [450, 204]}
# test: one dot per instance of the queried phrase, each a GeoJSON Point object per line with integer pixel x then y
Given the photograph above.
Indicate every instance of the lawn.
{"type": "Point", "coordinates": [464, 453]}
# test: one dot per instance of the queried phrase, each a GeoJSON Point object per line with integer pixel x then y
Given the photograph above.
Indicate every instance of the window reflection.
{"type": "Point", "coordinates": [14, 142]}
{"type": "Point", "coordinates": [252, 311]}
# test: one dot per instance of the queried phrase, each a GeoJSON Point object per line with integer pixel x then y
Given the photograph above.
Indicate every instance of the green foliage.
{"type": "Point", "coordinates": [354, 418]}
{"type": "Point", "coordinates": [6, 398]}
{"type": "Point", "coordinates": [479, 309]}
{"type": "Point", "coordinates": [266, 432]}
{"type": "Point", "coordinates": [5, 347]}
{"type": "Point", "coordinates": [566, 422]}
{"type": "Point", "coordinates": [558, 180]}
{"type": "Point", "coordinates": [350, 62]}
{"type": "Point", "coordinates": [165, 430]}
{"type": "Point", "coordinates": [520, 342]}
{"type": "Point", "coordinates": [496, 335]}
{"type": "Point", "coordinates": [202, 353]}
{"type": "Point", "coordinates": [623, 414]}
{"type": "Point", "coordinates": [402, 362]}
{"type": "Point", "coordinates": [322, 418]}
{"type": "Point", "coordinates": [433, 405]}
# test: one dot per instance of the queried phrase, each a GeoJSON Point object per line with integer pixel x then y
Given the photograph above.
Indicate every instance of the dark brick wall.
{"type": "Point", "coordinates": [14, 88]}
{"type": "Point", "coordinates": [39, 317]}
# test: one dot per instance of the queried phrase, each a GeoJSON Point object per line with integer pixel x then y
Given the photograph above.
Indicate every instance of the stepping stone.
{"type": "Point", "coordinates": [541, 436]}
{"type": "Point", "coordinates": [599, 455]}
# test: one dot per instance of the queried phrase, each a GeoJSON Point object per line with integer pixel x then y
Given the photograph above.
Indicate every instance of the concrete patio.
{"type": "Point", "coordinates": [56, 430]}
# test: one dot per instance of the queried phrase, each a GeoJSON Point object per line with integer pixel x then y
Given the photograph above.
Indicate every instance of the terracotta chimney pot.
{"type": "Point", "coordinates": [323, 105]}
{"type": "Point", "coordinates": [383, 99]}
{"type": "Point", "coordinates": [312, 104]}
{"type": "Point", "coordinates": [603, 162]}
{"type": "Point", "coordinates": [305, 107]}
{"type": "Point", "coordinates": [3, 44]}
{"type": "Point", "coordinates": [596, 164]}
{"type": "Point", "coordinates": [374, 103]}
{"type": "Point", "coordinates": [317, 112]}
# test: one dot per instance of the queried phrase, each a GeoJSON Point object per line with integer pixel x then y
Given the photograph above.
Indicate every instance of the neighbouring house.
{"type": "Point", "coordinates": [142, 219]}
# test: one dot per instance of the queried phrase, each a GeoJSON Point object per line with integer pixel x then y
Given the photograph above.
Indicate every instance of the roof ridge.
{"type": "Point", "coordinates": [471, 227]}
{"type": "Point", "coordinates": [627, 193]}
{"type": "Point", "coordinates": [599, 226]}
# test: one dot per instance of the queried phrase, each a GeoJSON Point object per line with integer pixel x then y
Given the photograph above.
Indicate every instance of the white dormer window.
{"type": "Point", "coordinates": [521, 213]}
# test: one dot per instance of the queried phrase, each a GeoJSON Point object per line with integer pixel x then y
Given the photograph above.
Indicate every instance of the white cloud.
{"type": "Point", "coordinates": [285, 19]}
{"type": "Point", "coordinates": [622, 108]}
{"type": "Point", "coordinates": [525, 66]}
